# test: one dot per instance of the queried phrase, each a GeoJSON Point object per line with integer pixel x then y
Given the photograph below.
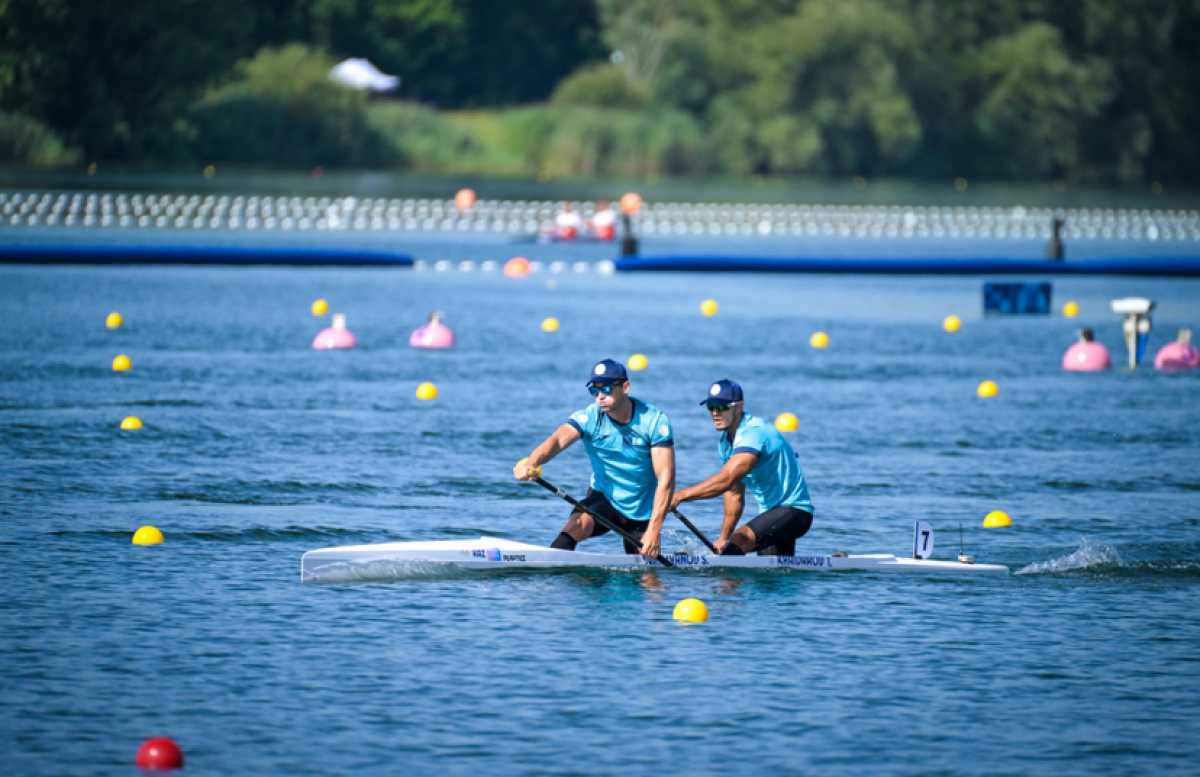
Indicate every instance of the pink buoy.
{"type": "Point", "coordinates": [432, 334]}
{"type": "Point", "coordinates": [1178, 355]}
{"type": "Point", "coordinates": [336, 336]}
{"type": "Point", "coordinates": [1086, 355]}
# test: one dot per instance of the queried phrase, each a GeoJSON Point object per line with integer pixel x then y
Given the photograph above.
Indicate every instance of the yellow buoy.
{"type": "Point", "coordinates": [787, 422]}
{"type": "Point", "coordinates": [210, 171]}
{"type": "Point", "coordinates": [638, 362]}
{"type": "Point", "coordinates": [951, 323]}
{"type": "Point", "coordinates": [320, 306]}
{"type": "Point", "coordinates": [427, 391]}
{"type": "Point", "coordinates": [148, 535]}
{"type": "Point", "coordinates": [550, 324]}
{"type": "Point", "coordinates": [122, 363]}
{"type": "Point", "coordinates": [709, 308]}
{"type": "Point", "coordinates": [819, 340]}
{"type": "Point", "coordinates": [996, 519]}
{"type": "Point", "coordinates": [114, 320]}
{"type": "Point", "coordinates": [129, 423]}
{"type": "Point", "coordinates": [987, 389]}
{"type": "Point", "coordinates": [691, 610]}
{"type": "Point", "coordinates": [1071, 309]}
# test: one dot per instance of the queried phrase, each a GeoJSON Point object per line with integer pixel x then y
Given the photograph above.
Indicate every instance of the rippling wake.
{"type": "Point", "coordinates": [1090, 555]}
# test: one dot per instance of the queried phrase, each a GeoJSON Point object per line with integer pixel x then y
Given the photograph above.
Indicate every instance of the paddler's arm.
{"type": "Point", "coordinates": [727, 477]}
{"type": "Point", "coordinates": [735, 501]}
{"type": "Point", "coordinates": [727, 481]}
{"type": "Point", "coordinates": [663, 459]}
{"type": "Point", "coordinates": [563, 437]}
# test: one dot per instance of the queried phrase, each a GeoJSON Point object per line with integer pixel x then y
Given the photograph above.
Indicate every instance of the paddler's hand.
{"type": "Point", "coordinates": [675, 502]}
{"type": "Point", "coordinates": [522, 470]}
{"type": "Point", "coordinates": [720, 544]}
{"type": "Point", "coordinates": [651, 544]}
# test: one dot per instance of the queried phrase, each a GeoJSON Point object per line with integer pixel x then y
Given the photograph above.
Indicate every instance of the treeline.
{"type": "Point", "coordinates": [1096, 91]}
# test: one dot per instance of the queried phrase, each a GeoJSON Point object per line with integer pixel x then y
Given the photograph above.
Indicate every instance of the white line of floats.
{"type": "Point", "coordinates": [287, 213]}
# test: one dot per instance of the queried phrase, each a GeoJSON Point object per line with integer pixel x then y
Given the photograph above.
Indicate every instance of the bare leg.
{"type": "Point", "coordinates": [579, 525]}
{"type": "Point", "coordinates": [743, 539]}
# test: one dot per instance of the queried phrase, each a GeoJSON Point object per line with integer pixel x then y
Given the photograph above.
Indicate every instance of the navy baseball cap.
{"type": "Point", "coordinates": [723, 390]}
{"type": "Point", "coordinates": [607, 371]}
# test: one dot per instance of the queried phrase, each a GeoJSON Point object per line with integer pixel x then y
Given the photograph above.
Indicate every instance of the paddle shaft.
{"type": "Point", "coordinates": [603, 521]}
{"type": "Point", "coordinates": [695, 531]}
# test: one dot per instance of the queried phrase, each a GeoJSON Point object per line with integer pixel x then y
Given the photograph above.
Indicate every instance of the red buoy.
{"type": "Point", "coordinates": [159, 753]}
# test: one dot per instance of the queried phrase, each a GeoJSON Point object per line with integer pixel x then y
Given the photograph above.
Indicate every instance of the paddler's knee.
{"type": "Point", "coordinates": [580, 526]}
{"type": "Point", "coordinates": [741, 543]}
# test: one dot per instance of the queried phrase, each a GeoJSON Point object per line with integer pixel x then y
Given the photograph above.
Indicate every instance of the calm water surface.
{"type": "Point", "coordinates": [257, 448]}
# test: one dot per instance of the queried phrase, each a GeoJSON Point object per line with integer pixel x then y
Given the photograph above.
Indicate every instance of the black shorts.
{"type": "Point", "coordinates": [777, 529]}
{"type": "Point", "coordinates": [599, 504]}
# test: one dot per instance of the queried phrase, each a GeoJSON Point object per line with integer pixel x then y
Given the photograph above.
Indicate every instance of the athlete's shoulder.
{"type": "Point", "coordinates": [653, 421]}
{"type": "Point", "coordinates": [584, 418]}
{"type": "Point", "coordinates": [751, 433]}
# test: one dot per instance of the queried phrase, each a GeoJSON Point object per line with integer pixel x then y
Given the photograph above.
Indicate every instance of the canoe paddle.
{"type": "Point", "coordinates": [695, 531]}
{"type": "Point", "coordinates": [603, 521]}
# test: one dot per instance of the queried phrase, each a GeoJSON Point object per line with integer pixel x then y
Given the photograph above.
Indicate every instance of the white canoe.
{"type": "Point", "coordinates": [394, 560]}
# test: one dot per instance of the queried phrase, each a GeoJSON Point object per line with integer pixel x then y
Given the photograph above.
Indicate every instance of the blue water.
{"type": "Point", "coordinates": [257, 448]}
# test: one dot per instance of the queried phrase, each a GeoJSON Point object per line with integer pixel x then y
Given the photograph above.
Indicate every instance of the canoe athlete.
{"type": "Point", "coordinates": [631, 447]}
{"type": "Point", "coordinates": [754, 455]}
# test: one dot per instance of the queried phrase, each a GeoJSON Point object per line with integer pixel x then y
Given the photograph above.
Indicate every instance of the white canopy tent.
{"type": "Point", "coordinates": [361, 74]}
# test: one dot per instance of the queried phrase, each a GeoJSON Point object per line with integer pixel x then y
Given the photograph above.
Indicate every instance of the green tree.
{"type": "Point", "coordinates": [828, 91]}
{"type": "Point", "coordinates": [1037, 102]}
{"type": "Point", "coordinates": [113, 77]}
{"type": "Point", "coordinates": [282, 108]}
{"type": "Point", "coordinates": [602, 85]}
{"type": "Point", "coordinates": [1148, 130]}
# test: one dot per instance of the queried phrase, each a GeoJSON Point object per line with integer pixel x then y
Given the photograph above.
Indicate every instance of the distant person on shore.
{"type": "Point", "coordinates": [1054, 249]}
{"type": "Point", "coordinates": [753, 455]}
{"type": "Point", "coordinates": [604, 221]}
{"type": "Point", "coordinates": [568, 223]}
{"type": "Point", "coordinates": [631, 448]}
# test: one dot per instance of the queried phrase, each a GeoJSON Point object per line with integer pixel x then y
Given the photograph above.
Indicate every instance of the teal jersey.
{"type": "Point", "coordinates": [620, 454]}
{"type": "Point", "coordinates": [776, 478]}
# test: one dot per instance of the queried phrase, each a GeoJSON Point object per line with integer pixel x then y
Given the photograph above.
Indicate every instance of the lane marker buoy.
{"type": "Point", "coordinates": [159, 753]}
{"type": "Point", "coordinates": [987, 389]}
{"type": "Point", "coordinates": [996, 519]}
{"type": "Point", "coordinates": [148, 535]}
{"type": "Point", "coordinates": [690, 610]}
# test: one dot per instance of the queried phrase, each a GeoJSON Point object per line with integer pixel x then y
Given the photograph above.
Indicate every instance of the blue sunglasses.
{"type": "Point", "coordinates": [604, 388]}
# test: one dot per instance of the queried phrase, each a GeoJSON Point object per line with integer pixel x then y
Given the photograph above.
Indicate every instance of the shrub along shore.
{"type": "Point", "coordinates": [1092, 93]}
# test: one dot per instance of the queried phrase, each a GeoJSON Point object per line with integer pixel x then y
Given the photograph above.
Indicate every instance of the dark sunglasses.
{"type": "Point", "coordinates": [717, 407]}
{"type": "Point", "coordinates": [604, 388]}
